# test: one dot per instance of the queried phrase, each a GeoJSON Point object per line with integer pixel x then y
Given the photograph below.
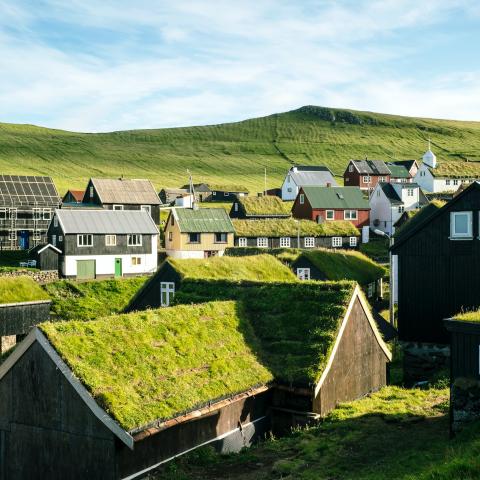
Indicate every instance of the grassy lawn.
{"type": "Point", "coordinates": [393, 434]}
{"type": "Point", "coordinates": [233, 153]}
{"type": "Point", "coordinates": [376, 249]}
{"type": "Point", "coordinates": [20, 289]}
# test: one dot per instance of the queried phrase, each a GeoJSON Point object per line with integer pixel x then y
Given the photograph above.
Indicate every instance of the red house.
{"type": "Point", "coordinates": [366, 174]}
{"type": "Point", "coordinates": [332, 203]}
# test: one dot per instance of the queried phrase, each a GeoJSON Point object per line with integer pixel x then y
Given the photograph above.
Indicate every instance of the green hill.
{"type": "Point", "coordinates": [233, 152]}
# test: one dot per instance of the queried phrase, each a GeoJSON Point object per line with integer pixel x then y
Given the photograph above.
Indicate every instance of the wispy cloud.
{"type": "Point", "coordinates": [98, 66]}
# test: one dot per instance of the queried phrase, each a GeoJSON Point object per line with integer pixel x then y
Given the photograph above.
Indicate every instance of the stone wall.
{"type": "Point", "coordinates": [7, 342]}
{"type": "Point", "coordinates": [465, 402]}
{"type": "Point", "coordinates": [40, 276]}
{"type": "Point", "coordinates": [424, 361]}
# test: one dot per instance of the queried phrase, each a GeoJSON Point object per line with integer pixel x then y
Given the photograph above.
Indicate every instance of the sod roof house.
{"type": "Point", "coordinates": [133, 391]}
{"type": "Point", "coordinates": [365, 174]}
{"type": "Point", "coordinates": [260, 207]}
{"type": "Point", "coordinates": [23, 304]}
{"type": "Point", "coordinates": [104, 243]}
{"type": "Point", "coordinates": [326, 204]}
{"type": "Point", "coordinates": [303, 176]}
{"type": "Point", "coordinates": [435, 254]}
{"type": "Point", "coordinates": [207, 192]}
{"type": "Point", "coordinates": [169, 195]}
{"type": "Point", "coordinates": [124, 194]}
{"type": "Point", "coordinates": [198, 233]}
{"type": "Point", "coordinates": [291, 233]}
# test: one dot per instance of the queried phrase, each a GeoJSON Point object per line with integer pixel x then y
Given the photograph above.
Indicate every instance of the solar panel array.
{"type": "Point", "coordinates": [18, 190]}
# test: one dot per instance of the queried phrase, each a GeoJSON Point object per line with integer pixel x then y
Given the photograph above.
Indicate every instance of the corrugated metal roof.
{"type": "Point", "coordinates": [312, 176]}
{"type": "Point", "coordinates": [371, 167]}
{"type": "Point", "coordinates": [122, 191]}
{"type": "Point", "coordinates": [203, 220]}
{"type": "Point", "coordinates": [336, 197]}
{"type": "Point", "coordinates": [106, 221]}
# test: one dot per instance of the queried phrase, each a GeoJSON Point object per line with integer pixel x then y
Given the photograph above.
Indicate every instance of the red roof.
{"type": "Point", "coordinates": [77, 195]}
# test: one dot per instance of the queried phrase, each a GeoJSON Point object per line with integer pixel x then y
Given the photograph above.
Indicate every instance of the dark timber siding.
{"type": "Point", "coordinates": [359, 366]}
{"type": "Point", "coordinates": [274, 242]}
{"type": "Point", "coordinates": [47, 260]}
{"type": "Point", "coordinates": [436, 277]}
{"type": "Point", "coordinates": [19, 318]}
{"type": "Point", "coordinates": [465, 349]}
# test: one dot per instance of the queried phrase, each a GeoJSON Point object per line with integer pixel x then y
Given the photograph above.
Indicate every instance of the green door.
{"type": "Point", "coordinates": [118, 267]}
{"type": "Point", "coordinates": [85, 269]}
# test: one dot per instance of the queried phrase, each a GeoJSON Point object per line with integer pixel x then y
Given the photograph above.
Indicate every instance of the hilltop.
{"type": "Point", "coordinates": [232, 152]}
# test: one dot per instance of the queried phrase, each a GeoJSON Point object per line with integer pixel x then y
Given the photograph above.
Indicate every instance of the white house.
{"type": "Point", "coordinates": [433, 176]}
{"type": "Point", "coordinates": [388, 201]}
{"type": "Point", "coordinates": [304, 176]}
{"type": "Point", "coordinates": [104, 243]}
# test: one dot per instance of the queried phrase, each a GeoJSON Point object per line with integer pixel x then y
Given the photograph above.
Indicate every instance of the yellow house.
{"type": "Point", "coordinates": [198, 233]}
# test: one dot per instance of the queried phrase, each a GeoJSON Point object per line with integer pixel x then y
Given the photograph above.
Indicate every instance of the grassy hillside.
{"type": "Point", "coordinates": [234, 152]}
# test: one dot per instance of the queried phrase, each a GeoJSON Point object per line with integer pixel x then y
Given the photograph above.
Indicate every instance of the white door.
{"type": "Point", "coordinates": [303, 273]}
{"type": "Point", "coordinates": [167, 293]}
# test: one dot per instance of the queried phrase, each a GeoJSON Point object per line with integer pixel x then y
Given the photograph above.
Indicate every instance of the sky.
{"type": "Point", "coordinates": [100, 65]}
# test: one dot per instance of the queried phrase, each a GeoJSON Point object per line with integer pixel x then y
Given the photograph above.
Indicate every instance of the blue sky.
{"type": "Point", "coordinates": [89, 65]}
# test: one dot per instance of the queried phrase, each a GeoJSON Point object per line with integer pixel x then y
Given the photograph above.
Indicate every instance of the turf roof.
{"type": "Point", "coordinates": [288, 227]}
{"type": "Point", "coordinates": [155, 365]}
{"type": "Point", "coordinates": [21, 289]}
{"type": "Point", "coordinates": [456, 169]}
{"type": "Point", "coordinates": [266, 205]}
{"type": "Point", "coordinates": [227, 188]}
{"type": "Point", "coordinates": [472, 316]}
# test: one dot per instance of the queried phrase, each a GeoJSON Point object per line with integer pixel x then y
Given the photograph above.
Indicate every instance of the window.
{"type": "Point", "coordinates": [366, 179]}
{"type": "Point", "coordinates": [309, 242]}
{"type": "Point", "coordinates": [289, 190]}
{"type": "Point", "coordinates": [54, 240]}
{"type": "Point", "coordinates": [221, 237]}
{"type": "Point", "coordinates": [3, 213]}
{"type": "Point", "coordinates": [85, 240]}
{"type": "Point", "coordinates": [37, 214]}
{"type": "Point", "coordinates": [47, 214]}
{"type": "Point", "coordinates": [350, 214]}
{"type": "Point", "coordinates": [60, 238]}
{"type": "Point", "coordinates": [226, 194]}
{"type": "Point", "coordinates": [447, 182]}
{"type": "Point", "coordinates": [146, 208]}
{"type": "Point", "coordinates": [12, 235]}
{"type": "Point", "coordinates": [235, 207]}
{"type": "Point", "coordinates": [381, 179]}
{"type": "Point", "coordinates": [288, 178]}
{"type": "Point", "coordinates": [37, 236]}
{"type": "Point", "coordinates": [302, 199]}
{"type": "Point", "coordinates": [336, 242]}
{"type": "Point", "coordinates": [303, 273]}
{"type": "Point", "coordinates": [285, 242]}
{"type": "Point", "coordinates": [455, 182]}
{"type": "Point", "coordinates": [172, 220]}
{"type": "Point", "coordinates": [350, 168]}
{"type": "Point", "coordinates": [110, 240]}
{"type": "Point", "coordinates": [91, 192]}
{"type": "Point", "coordinates": [214, 194]}
{"type": "Point", "coordinates": [330, 214]}
{"type": "Point", "coordinates": [134, 240]}
{"type": "Point", "coordinates": [409, 192]}
{"type": "Point", "coordinates": [242, 242]}
{"type": "Point", "coordinates": [262, 242]}
{"type": "Point", "coordinates": [378, 193]}
{"type": "Point", "coordinates": [461, 225]}
{"type": "Point", "coordinates": [170, 236]}
{"type": "Point", "coordinates": [55, 221]}
{"type": "Point", "coordinates": [118, 207]}
{"type": "Point", "coordinates": [13, 214]}
{"type": "Point", "coordinates": [353, 241]}
{"type": "Point", "coordinates": [370, 290]}
{"type": "Point", "coordinates": [136, 261]}
{"type": "Point", "coordinates": [401, 209]}
{"type": "Point", "coordinates": [193, 238]}
{"type": "Point", "coordinates": [167, 293]}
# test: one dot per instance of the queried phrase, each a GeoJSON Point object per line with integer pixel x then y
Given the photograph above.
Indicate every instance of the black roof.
{"type": "Point", "coordinates": [19, 190]}
{"type": "Point", "coordinates": [390, 193]}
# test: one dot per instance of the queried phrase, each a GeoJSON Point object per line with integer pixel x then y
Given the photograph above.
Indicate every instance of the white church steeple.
{"type": "Point", "coordinates": [429, 158]}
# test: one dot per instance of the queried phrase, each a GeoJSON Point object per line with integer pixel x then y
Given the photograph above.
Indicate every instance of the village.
{"type": "Point", "coordinates": [139, 325]}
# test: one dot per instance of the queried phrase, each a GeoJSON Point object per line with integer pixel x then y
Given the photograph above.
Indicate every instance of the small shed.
{"type": "Point", "coordinates": [217, 373]}
{"type": "Point", "coordinates": [45, 256]}
{"type": "Point", "coordinates": [464, 332]}
{"type": "Point", "coordinates": [260, 207]}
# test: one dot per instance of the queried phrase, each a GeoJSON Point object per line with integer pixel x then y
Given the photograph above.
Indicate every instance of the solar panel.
{"type": "Point", "coordinates": [21, 190]}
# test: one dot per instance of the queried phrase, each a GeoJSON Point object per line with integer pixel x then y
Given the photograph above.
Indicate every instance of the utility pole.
{"type": "Point", "coordinates": [265, 183]}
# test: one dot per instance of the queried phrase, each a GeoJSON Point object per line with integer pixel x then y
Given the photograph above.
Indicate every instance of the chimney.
{"type": "Point", "coordinates": [329, 184]}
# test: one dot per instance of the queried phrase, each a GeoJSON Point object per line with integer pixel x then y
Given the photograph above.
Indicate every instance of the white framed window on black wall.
{"type": "Point", "coordinates": [262, 242]}
{"type": "Point", "coordinates": [336, 242]}
{"type": "Point", "coordinates": [85, 240]}
{"type": "Point", "coordinates": [285, 242]}
{"type": "Point", "coordinates": [242, 242]}
{"type": "Point", "coordinates": [460, 225]}
{"type": "Point", "coordinates": [134, 240]}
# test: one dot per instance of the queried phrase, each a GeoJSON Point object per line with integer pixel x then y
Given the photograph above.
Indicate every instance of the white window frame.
{"type": "Point", "coordinates": [112, 242]}
{"type": "Point", "coordinates": [60, 238]}
{"type": "Point", "coordinates": [3, 214]}
{"type": "Point", "coordinates": [81, 237]}
{"type": "Point", "coordinates": [284, 242]}
{"type": "Point", "coordinates": [367, 179]}
{"type": "Point", "coordinates": [303, 273]}
{"type": "Point", "coordinates": [309, 242]}
{"type": "Point", "coordinates": [146, 208]}
{"type": "Point", "coordinates": [38, 236]}
{"type": "Point", "coordinates": [410, 192]}
{"type": "Point", "coordinates": [132, 236]}
{"type": "Point", "coordinates": [350, 168]}
{"type": "Point", "coordinates": [370, 290]}
{"type": "Point", "coordinates": [349, 216]}
{"type": "Point", "coordinates": [91, 192]}
{"type": "Point", "coordinates": [48, 213]}
{"type": "Point", "coordinates": [337, 242]}
{"type": "Point", "coordinates": [262, 242]}
{"type": "Point", "coordinates": [55, 221]}
{"type": "Point", "coordinates": [453, 234]}
{"type": "Point", "coordinates": [167, 293]}
{"type": "Point", "coordinates": [54, 240]}
{"type": "Point", "coordinates": [235, 207]}
{"type": "Point", "coordinates": [37, 213]}
{"type": "Point", "coordinates": [301, 199]}
{"type": "Point", "coordinates": [117, 207]}
{"type": "Point", "coordinates": [12, 235]}
{"type": "Point", "coordinates": [353, 241]}
{"type": "Point", "coordinates": [328, 212]}
{"type": "Point", "coordinates": [242, 242]}
{"type": "Point", "coordinates": [135, 261]}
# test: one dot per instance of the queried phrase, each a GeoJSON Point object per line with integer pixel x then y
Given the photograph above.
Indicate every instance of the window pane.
{"type": "Point", "coordinates": [461, 223]}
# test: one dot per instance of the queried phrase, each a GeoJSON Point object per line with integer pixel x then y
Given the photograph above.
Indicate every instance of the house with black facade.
{"type": "Point", "coordinates": [124, 194]}
{"type": "Point", "coordinates": [254, 208]}
{"type": "Point", "coordinates": [26, 208]}
{"type": "Point", "coordinates": [104, 243]}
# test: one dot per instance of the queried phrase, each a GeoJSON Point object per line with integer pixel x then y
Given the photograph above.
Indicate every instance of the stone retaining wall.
{"type": "Point", "coordinates": [465, 402]}
{"type": "Point", "coordinates": [40, 276]}
{"type": "Point", "coordinates": [422, 361]}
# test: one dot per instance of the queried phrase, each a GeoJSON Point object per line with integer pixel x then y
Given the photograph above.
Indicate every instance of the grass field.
{"type": "Point", "coordinates": [235, 152]}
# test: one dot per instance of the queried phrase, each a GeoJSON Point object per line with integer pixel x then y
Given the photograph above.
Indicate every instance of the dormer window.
{"type": "Point", "coordinates": [302, 199]}
{"type": "Point", "coordinates": [461, 225]}
{"type": "Point", "coordinates": [350, 168]}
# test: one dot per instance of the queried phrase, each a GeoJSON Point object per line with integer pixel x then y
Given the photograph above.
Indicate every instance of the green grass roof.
{"type": "Point", "coordinates": [398, 171]}
{"type": "Point", "coordinates": [157, 364]}
{"type": "Point", "coordinates": [218, 187]}
{"type": "Point", "coordinates": [266, 205]}
{"type": "Point", "coordinates": [472, 316]}
{"type": "Point", "coordinates": [261, 268]}
{"type": "Point", "coordinates": [21, 289]}
{"type": "Point", "coordinates": [288, 227]}
{"type": "Point", "coordinates": [345, 265]}
{"type": "Point", "coordinates": [203, 220]}
{"type": "Point", "coordinates": [336, 197]}
{"type": "Point", "coordinates": [456, 169]}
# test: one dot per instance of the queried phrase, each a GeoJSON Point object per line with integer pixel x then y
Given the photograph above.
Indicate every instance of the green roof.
{"type": "Point", "coordinates": [266, 205]}
{"type": "Point", "coordinates": [157, 364]}
{"type": "Point", "coordinates": [288, 227]}
{"type": "Point", "coordinates": [336, 197]}
{"type": "Point", "coordinates": [472, 316]}
{"type": "Point", "coordinates": [456, 169]}
{"type": "Point", "coordinates": [21, 289]}
{"type": "Point", "coordinates": [344, 265]}
{"type": "Point", "coordinates": [398, 171]}
{"type": "Point", "coordinates": [203, 220]}
{"type": "Point", "coordinates": [260, 268]}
